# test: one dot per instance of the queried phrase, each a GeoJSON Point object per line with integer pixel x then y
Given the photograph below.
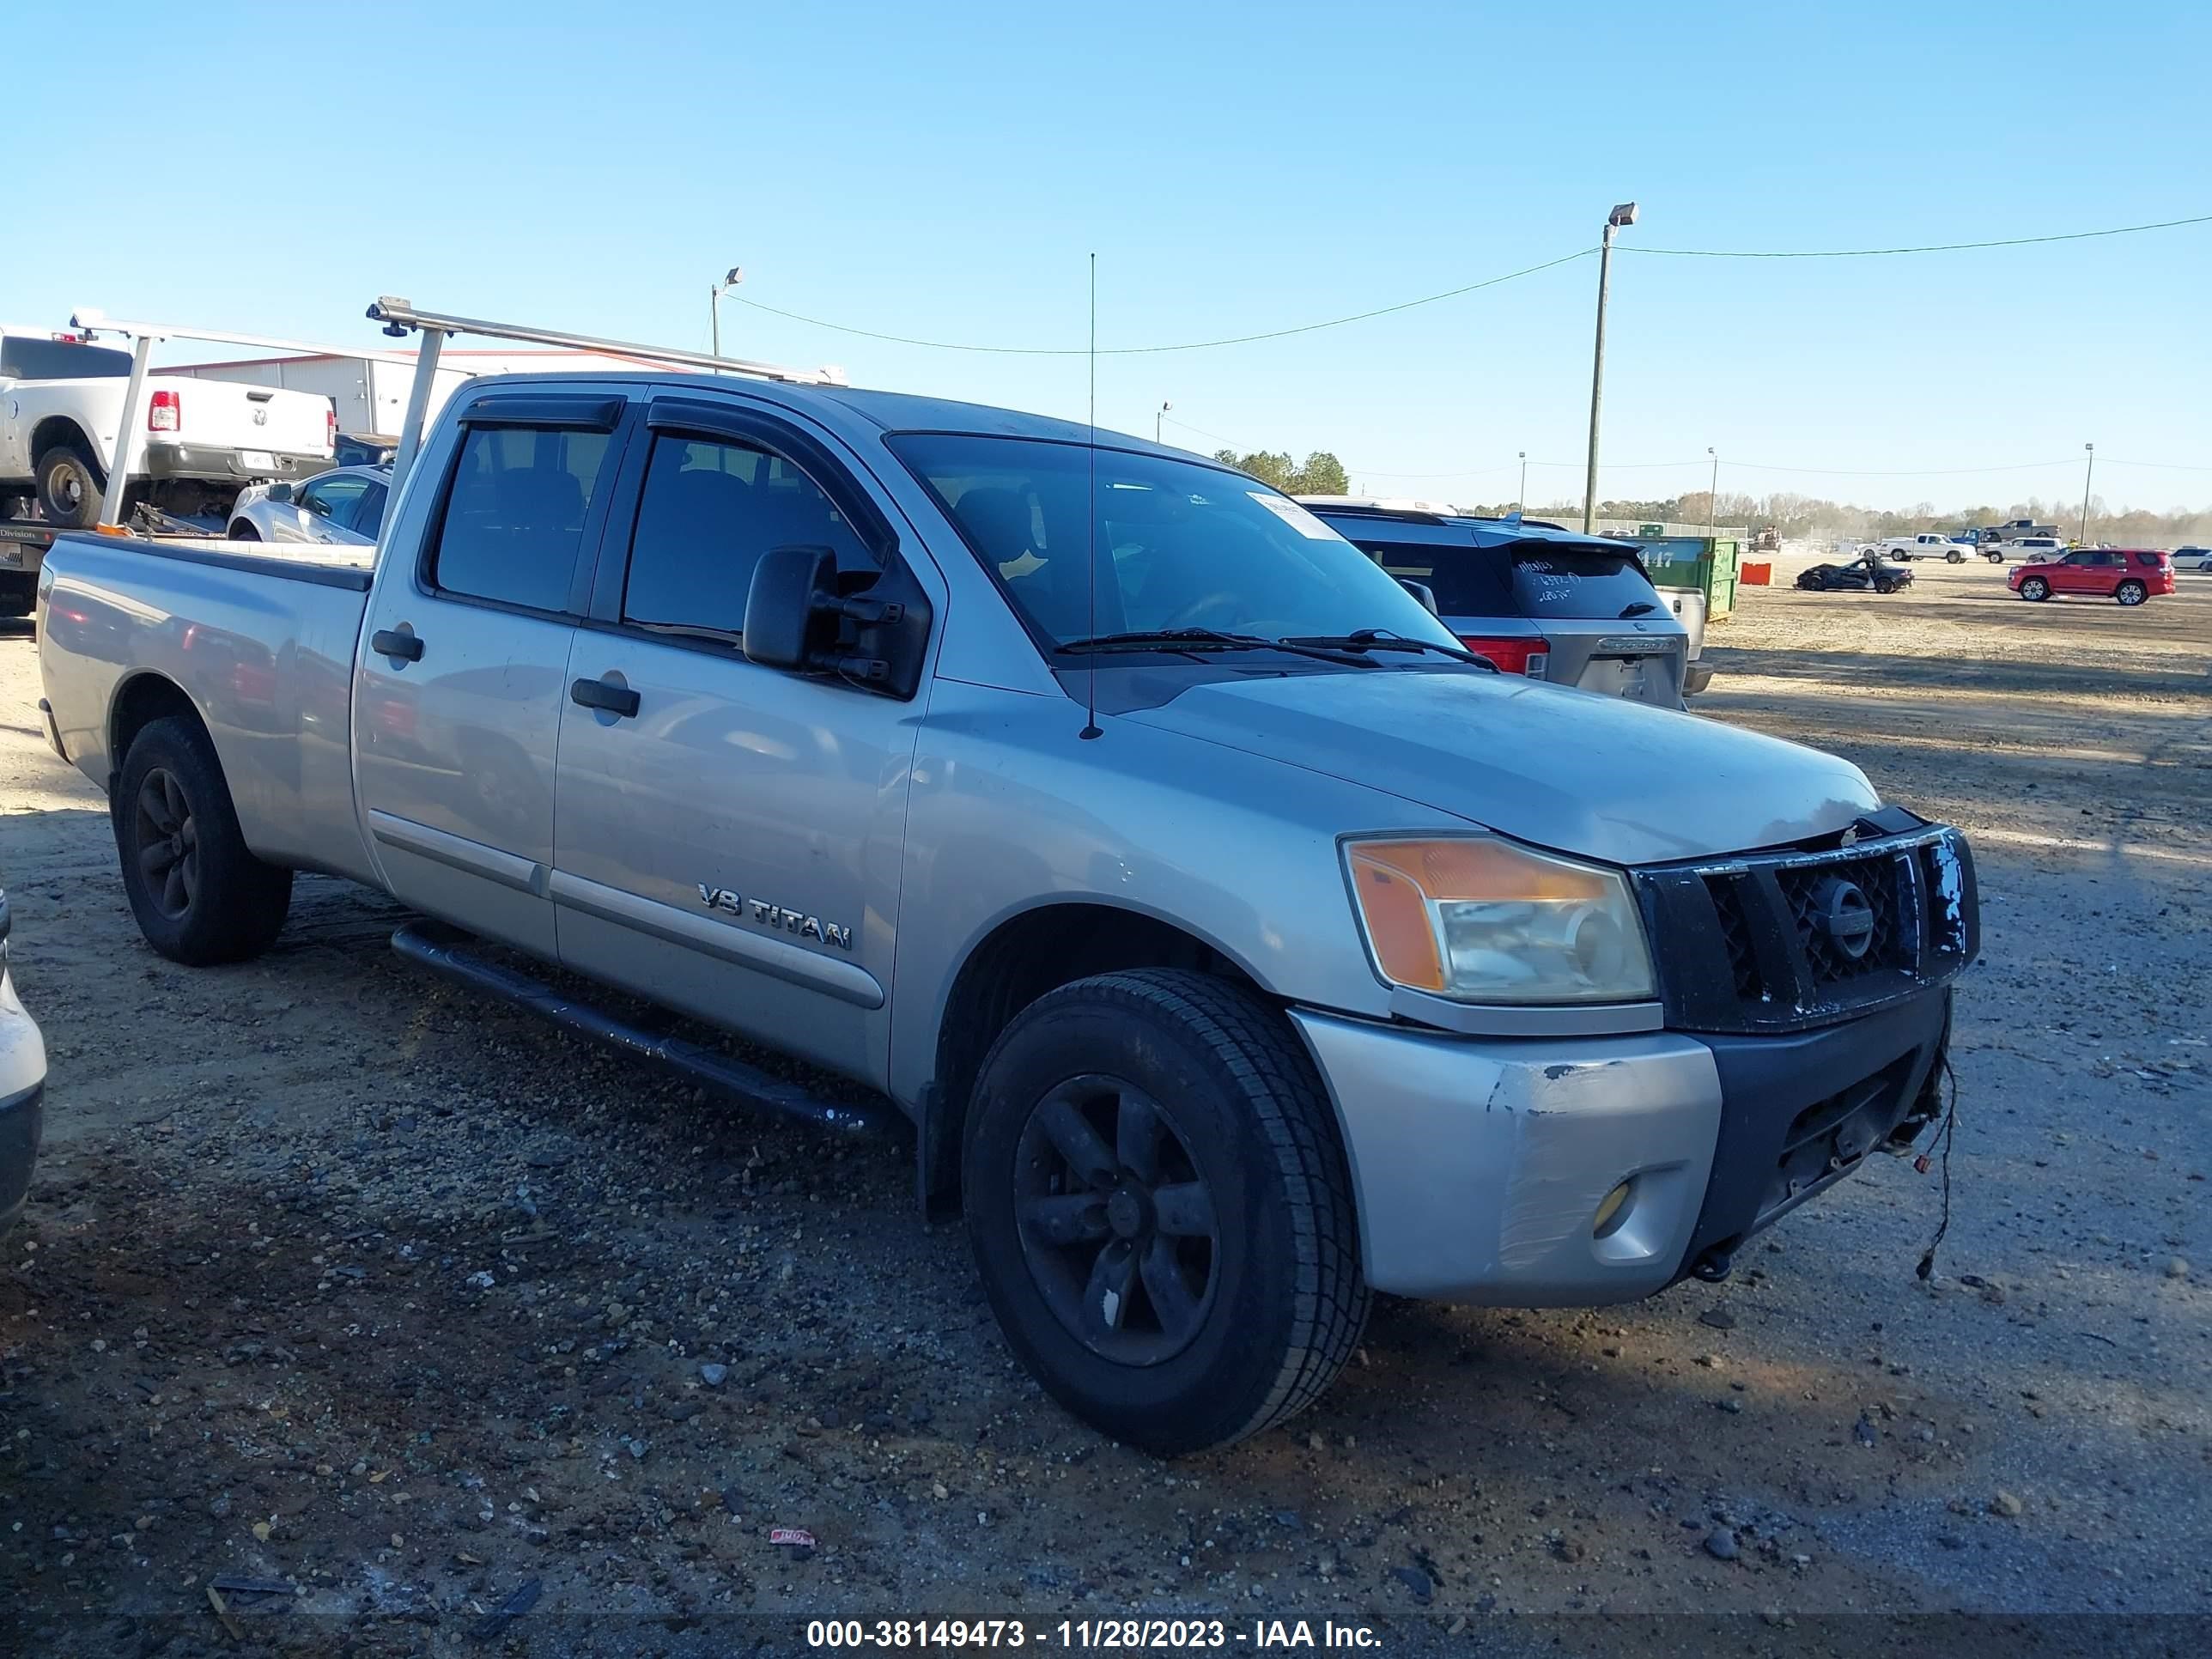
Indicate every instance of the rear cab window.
{"type": "Point", "coordinates": [514, 514]}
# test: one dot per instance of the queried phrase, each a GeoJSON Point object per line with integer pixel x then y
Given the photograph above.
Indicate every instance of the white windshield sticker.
{"type": "Point", "coordinates": [1295, 516]}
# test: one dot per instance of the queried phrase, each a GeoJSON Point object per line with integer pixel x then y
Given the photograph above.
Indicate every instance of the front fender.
{"type": "Point", "coordinates": [1011, 811]}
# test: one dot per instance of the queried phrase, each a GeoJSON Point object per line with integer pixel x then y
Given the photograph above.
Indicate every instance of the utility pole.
{"type": "Point", "coordinates": [1713, 496]}
{"type": "Point", "coordinates": [1161, 415]}
{"type": "Point", "coordinates": [2088, 473]}
{"type": "Point", "coordinates": [1623, 214]}
{"type": "Point", "coordinates": [714, 303]}
{"type": "Point", "coordinates": [1521, 501]}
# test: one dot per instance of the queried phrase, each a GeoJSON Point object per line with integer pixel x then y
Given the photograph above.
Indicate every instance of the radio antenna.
{"type": "Point", "coordinates": [1091, 515]}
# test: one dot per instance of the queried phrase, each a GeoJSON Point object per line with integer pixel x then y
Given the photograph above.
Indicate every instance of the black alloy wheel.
{"type": "Point", "coordinates": [1117, 1222]}
{"type": "Point", "coordinates": [168, 844]}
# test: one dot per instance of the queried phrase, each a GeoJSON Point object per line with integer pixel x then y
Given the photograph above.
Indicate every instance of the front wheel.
{"type": "Point", "coordinates": [243, 531]}
{"type": "Point", "coordinates": [2130, 593]}
{"type": "Point", "coordinates": [1161, 1211]}
{"type": "Point", "coordinates": [199, 895]}
{"type": "Point", "coordinates": [2035, 588]}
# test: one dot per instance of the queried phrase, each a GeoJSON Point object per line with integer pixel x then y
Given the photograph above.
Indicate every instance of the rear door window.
{"type": "Point", "coordinates": [707, 512]}
{"type": "Point", "coordinates": [514, 520]}
{"type": "Point", "coordinates": [1580, 582]}
{"type": "Point", "coordinates": [1468, 582]}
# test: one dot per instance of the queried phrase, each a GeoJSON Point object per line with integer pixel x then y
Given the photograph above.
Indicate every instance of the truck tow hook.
{"type": "Point", "coordinates": [1714, 1266]}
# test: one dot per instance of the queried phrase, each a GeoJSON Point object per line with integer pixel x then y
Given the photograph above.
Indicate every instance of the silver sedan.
{"type": "Point", "coordinates": [343, 507]}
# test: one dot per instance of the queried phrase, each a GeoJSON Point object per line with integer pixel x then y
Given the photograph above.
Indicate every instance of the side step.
{"type": "Point", "coordinates": [446, 950]}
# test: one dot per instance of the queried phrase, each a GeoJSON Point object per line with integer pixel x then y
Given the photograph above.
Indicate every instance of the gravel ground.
{"type": "Point", "coordinates": [335, 1276]}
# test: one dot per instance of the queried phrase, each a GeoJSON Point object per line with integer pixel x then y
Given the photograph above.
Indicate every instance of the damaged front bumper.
{"type": "Point", "coordinates": [1574, 1173]}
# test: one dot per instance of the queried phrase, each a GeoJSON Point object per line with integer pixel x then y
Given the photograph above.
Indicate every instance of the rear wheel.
{"type": "Point", "coordinates": [2035, 588]}
{"type": "Point", "coordinates": [2130, 593]}
{"type": "Point", "coordinates": [1161, 1211]}
{"type": "Point", "coordinates": [71, 484]}
{"type": "Point", "coordinates": [1884, 585]}
{"type": "Point", "coordinates": [199, 895]}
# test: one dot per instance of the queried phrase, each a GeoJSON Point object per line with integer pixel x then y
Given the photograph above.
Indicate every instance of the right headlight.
{"type": "Point", "coordinates": [1481, 920]}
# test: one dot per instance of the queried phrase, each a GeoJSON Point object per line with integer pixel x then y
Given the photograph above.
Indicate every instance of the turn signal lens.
{"type": "Point", "coordinates": [1482, 919]}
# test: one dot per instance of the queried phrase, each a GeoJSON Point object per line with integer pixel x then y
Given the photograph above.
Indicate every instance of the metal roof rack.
{"type": "Point", "coordinates": [400, 316]}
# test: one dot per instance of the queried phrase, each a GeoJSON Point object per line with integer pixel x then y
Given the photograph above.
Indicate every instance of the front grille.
{"type": "Point", "coordinates": [1735, 935]}
{"type": "Point", "coordinates": [1890, 939]}
{"type": "Point", "coordinates": [1788, 940]}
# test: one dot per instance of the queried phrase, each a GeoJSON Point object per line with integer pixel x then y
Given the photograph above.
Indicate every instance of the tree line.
{"type": "Point", "coordinates": [1812, 519]}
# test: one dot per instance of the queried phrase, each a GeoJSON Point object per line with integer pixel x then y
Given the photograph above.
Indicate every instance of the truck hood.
{"type": "Point", "coordinates": [1561, 768]}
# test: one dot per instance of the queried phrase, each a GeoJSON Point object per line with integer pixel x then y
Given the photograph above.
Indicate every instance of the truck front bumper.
{"type": "Point", "coordinates": [1491, 1170]}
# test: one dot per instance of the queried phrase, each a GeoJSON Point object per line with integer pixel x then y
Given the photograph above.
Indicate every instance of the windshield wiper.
{"type": "Point", "coordinates": [1213, 639]}
{"type": "Point", "coordinates": [1640, 608]}
{"type": "Point", "coordinates": [1377, 639]}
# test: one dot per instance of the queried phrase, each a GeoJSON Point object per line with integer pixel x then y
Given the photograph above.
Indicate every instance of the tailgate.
{"type": "Point", "coordinates": [1617, 659]}
{"type": "Point", "coordinates": [225, 415]}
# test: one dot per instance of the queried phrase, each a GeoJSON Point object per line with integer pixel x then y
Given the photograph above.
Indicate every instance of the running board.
{"type": "Point", "coordinates": [445, 951]}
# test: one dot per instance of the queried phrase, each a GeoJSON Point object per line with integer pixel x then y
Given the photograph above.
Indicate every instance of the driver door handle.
{"type": "Point", "coordinates": [386, 643]}
{"type": "Point", "coordinates": [617, 700]}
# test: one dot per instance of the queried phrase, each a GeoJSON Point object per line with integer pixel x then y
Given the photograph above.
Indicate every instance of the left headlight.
{"type": "Point", "coordinates": [1481, 920]}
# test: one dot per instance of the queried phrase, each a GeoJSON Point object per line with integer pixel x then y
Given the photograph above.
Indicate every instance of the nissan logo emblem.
{"type": "Point", "coordinates": [1840, 910]}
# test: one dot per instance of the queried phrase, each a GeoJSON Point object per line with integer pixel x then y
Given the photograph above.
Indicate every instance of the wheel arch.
{"type": "Point", "coordinates": [140, 700]}
{"type": "Point", "coordinates": [56, 429]}
{"type": "Point", "coordinates": [1016, 959]}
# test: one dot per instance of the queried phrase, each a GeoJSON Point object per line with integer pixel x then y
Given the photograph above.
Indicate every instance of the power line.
{"type": "Point", "coordinates": [1469, 287]}
{"type": "Point", "coordinates": [1186, 345]}
{"type": "Point", "coordinates": [1933, 247]}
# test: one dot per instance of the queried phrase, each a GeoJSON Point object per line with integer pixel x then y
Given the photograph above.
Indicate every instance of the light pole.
{"type": "Point", "coordinates": [1160, 416]}
{"type": "Point", "coordinates": [1713, 496]}
{"type": "Point", "coordinates": [1521, 501]}
{"type": "Point", "coordinates": [1624, 214]}
{"type": "Point", "coordinates": [714, 303]}
{"type": "Point", "coordinates": [2089, 471]}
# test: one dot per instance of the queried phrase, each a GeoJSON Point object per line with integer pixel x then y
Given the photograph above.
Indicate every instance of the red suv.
{"type": "Point", "coordinates": [2129, 574]}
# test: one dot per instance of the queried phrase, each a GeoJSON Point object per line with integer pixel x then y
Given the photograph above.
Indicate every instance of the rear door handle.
{"type": "Point", "coordinates": [618, 700]}
{"type": "Point", "coordinates": [386, 643]}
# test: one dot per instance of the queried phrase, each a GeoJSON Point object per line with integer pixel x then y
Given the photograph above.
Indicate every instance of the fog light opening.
{"type": "Point", "coordinates": [1613, 1210]}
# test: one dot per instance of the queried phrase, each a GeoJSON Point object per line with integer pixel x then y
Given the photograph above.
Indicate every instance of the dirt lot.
{"type": "Point", "coordinates": [334, 1276]}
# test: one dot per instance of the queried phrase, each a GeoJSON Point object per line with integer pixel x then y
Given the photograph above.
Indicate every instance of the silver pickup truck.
{"type": "Point", "coordinates": [1237, 946]}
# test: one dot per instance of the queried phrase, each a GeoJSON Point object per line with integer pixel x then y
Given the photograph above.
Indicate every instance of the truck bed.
{"type": "Point", "coordinates": [260, 637]}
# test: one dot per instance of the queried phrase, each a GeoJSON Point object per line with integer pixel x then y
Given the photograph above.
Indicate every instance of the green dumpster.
{"type": "Point", "coordinates": [1703, 564]}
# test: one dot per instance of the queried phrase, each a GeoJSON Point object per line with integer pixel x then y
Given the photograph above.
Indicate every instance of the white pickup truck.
{"type": "Point", "coordinates": [61, 409]}
{"type": "Point", "coordinates": [1929, 544]}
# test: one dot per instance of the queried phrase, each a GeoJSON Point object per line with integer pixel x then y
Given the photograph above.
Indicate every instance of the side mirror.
{"type": "Point", "coordinates": [789, 584]}
{"type": "Point", "coordinates": [1422, 591]}
{"type": "Point", "coordinates": [797, 618]}
{"type": "Point", "coordinates": [280, 492]}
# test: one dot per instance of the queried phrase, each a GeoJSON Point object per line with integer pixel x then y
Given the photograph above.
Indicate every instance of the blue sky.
{"type": "Point", "coordinates": [945, 172]}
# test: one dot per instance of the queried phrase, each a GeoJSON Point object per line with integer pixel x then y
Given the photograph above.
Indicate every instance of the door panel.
{"type": "Point", "coordinates": [729, 843]}
{"type": "Point", "coordinates": [464, 676]}
{"type": "Point", "coordinates": [454, 754]}
{"type": "Point", "coordinates": [732, 849]}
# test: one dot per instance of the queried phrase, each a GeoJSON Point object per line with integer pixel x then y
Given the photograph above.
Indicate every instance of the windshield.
{"type": "Point", "coordinates": [1179, 545]}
